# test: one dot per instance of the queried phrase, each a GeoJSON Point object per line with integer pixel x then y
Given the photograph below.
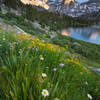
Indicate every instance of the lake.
{"type": "Point", "coordinates": [89, 34]}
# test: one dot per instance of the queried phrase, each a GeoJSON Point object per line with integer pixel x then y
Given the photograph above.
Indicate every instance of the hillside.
{"type": "Point", "coordinates": [83, 51]}
{"type": "Point", "coordinates": [38, 63]}
{"type": "Point", "coordinates": [27, 63]}
{"type": "Point", "coordinates": [24, 59]}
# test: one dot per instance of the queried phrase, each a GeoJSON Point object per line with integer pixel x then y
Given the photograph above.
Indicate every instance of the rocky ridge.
{"type": "Point", "coordinates": [90, 9]}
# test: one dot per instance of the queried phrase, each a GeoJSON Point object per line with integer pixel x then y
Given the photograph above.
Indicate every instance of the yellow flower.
{"type": "Point", "coordinates": [70, 60]}
{"type": "Point", "coordinates": [33, 42]}
{"type": "Point", "coordinates": [81, 73]}
{"type": "Point", "coordinates": [77, 62]}
{"type": "Point", "coordinates": [41, 44]}
{"type": "Point", "coordinates": [14, 35]}
{"type": "Point", "coordinates": [48, 44]}
{"type": "Point", "coordinates": [66, 46]}
{"type": "Point", "coordinates": [28, 36]}
{"type": "Point", "coordinates": [62, 49]}
{"type": "Point", "coordinates": [85, 69]}
{"type": "Point", "coordinates": [32, 39]}
{"type": "Point", "coordinates": [44, 35]}
{"type": "Point", "coordinates": [23, 33]}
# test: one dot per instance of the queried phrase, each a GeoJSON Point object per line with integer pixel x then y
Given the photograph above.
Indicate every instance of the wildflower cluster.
{"type": "Point", "coordinates": [73, 60]}
{"type": "Point", "coordinates": [37, 42]}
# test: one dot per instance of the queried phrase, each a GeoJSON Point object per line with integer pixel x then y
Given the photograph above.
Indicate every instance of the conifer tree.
{"type": "Point", "coordinates": [11, 3]}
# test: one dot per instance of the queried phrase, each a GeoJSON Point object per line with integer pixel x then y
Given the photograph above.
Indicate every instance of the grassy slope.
{"type": "Point", "coordinates": [21, 67]}
{"type": "Point", "coordinates": [88, 53]}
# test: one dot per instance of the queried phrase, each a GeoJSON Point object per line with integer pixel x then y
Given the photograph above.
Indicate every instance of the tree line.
{"type": "Point", "coordinates": [54, 20]}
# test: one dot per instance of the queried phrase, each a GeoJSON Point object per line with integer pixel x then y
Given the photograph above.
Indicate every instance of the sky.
{"type": "Point", "coordinates": [82, 0]}
{"type": "Point", "coordinates": [77, 0]}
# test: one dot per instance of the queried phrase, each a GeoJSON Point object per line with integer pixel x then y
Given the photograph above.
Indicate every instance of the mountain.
{"type": "Point", "coordinates": [61, 6]}
{"type": "Point", "coordinates": [89, 9]}
{"type": "Point", "coordinates": [92, 10]}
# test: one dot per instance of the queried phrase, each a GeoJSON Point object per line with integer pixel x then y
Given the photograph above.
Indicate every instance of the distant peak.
{"type": "Point", "coordinates": [41, 3]}
{"type": "Point", "coordinates": [68, 1]}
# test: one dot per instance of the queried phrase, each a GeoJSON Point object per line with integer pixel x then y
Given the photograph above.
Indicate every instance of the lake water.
{"type": "Point", "coordinates": [89, 34]}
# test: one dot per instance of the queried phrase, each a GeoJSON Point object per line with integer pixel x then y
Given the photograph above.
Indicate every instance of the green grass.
{"type": "Point", "coordinates": [21, 68]}
{"type": "Point", "coordinates": [88, 53]}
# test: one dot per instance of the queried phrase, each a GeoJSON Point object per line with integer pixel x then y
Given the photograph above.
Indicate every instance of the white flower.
{"type": "Point", "coordinates": [56, 99]}
{"type": "Point", "coordinates": [41, 58]}
{"type": "Point", "coordinates": [36, 49]}
{"type": "Point", "coordinates": [54, 69]}
{"type": "Point", "coordinates": [61, 65]}
{"type": "Point", "coordinates": [89, 96]}
{"type": "Point", "coordinates": [4, 39]}
{"type": "Point", "coordinates": [86, 83]}
{"type": "Point", "coordinates": [44, 75]}
{"type": "Point", "coordinates": [45, 92]}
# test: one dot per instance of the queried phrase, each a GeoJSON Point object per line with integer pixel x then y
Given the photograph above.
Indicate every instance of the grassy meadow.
{"type": "Point", "coordinates": [33, 70]}
{"type": "Point", "coordinates": [87, 53]}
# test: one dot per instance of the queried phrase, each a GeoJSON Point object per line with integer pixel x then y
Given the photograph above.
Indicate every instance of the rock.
{"type": "Point", "coordinates": [95, 69]}
{"type": "Point", "coordinates": [76, 9]}
{"type": "Point", "coordinates": [75, 44]}
{"type": "Point", "coordinates": [13, 29]}
{"type": "Point", "coordinates": [36, 25]}
{"type": "Point", "coordinates": [4, 9]}
{"type": "Point", "coordinates": [19, 29]}
{"type": "Point", "coordinates": [52, 34]}
{"type": "Point", "coordinates": [47, 28]}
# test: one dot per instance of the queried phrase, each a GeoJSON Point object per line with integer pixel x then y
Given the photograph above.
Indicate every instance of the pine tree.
{"type": "Point", "coordinates": [11, 3]}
